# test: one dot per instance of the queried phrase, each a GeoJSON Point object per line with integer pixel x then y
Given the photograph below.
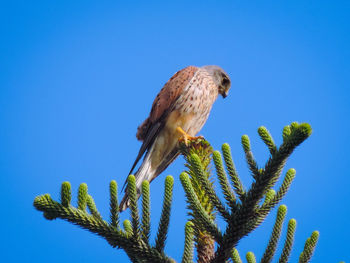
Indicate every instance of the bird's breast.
{"type": "Point", "coordinates": [193, 106]}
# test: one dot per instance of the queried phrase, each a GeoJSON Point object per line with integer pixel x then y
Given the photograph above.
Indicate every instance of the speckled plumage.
{"type": "Point", "coordinates": [185, 101]}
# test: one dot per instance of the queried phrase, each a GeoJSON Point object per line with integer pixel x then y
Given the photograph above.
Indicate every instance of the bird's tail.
{"type": "Point", "coordinates": [145, 172]}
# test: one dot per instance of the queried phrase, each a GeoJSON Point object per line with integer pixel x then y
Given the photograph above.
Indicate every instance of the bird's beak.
{"type": "Point", "coordinates": [224, 95]}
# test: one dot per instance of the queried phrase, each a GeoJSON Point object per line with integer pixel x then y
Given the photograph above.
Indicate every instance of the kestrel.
{"type": "Point", "coordinates": [179, 111]}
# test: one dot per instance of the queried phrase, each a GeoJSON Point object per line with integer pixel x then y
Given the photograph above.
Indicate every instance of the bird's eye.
{"type": "Point", "coordinates": [225, 81]}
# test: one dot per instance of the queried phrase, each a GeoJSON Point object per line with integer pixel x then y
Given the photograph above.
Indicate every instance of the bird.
{"type": "Point", "coordinates": [179, 111]}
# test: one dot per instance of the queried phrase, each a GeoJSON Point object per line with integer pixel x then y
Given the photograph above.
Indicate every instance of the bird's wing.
{"type": "Point", "coordinates": [166, 162]}
{"type": "Point", "coordinates": [171, 92]}
{"type": "Point", "coordinates": [161, 108]}
{"type": "Point", "coordinates": [153, 132]}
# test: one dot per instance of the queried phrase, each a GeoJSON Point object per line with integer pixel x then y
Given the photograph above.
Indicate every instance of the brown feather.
{"type": "Point", "coordinates": [166, 98]}
{"type": "Point", "coordinates": [161, 108]}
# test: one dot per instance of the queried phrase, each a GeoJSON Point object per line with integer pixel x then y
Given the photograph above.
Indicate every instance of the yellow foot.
{"type": "Point", "coordinates": [185, 137]}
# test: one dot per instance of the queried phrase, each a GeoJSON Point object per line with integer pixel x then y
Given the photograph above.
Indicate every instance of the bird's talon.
{"type": "Point", "coordinates": [185, 140]}
{"type": "Point", "coordinates": [185, 137]}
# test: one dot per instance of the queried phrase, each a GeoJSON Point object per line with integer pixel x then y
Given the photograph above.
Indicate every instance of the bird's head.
{"type": "Point", "coordinates": [220, 78]}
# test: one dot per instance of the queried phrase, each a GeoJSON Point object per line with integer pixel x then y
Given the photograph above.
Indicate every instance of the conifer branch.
{"type": "Point", "coordinates": [198, 155]}
{"type": "Point", "coordinates": [287, 181]}
{"type": "Point", "coordinates": [195, 163]}
{"type": "Point", "coordinates": [309, 247]}
{"type": "Point", "coordinates": [235, 256]}
{"type": "Point", "coordinates": [275, 235]}
{"type": "Point", "coordinates": [250, 257]}
{"type": "Point", "coordinates": [273, 200]}
{"type": "Point", "coordinates": [53, 210]}
{"type": "Point", "coordinates": [66, 194]}
{"type": "Point", "coordinates": [113, 203]}
{"type": "Point", "coordinates": [236, 182]}
{"type": "Point", "coordinates": [262, 212]}
{"type": "Point", "coordinates": [242, 215]}
{"type": "Point", "coordinates": [138, 250]}
{"type": "Point", "coordinates": [206, 223]}
{"type": "Point", "coordinates": [92, 207]}
{"type": "Point", "coordinates": [247, 218]}
{"type": "Point", "coordinates": [132, 193]}
{"type": "Point", "coordinates": [269, 196]}
{"type": "Point", "coordinates": [286, 132]}
{"type": "Point", "coordinates": [165, 217]}
{"type": "Point", "coordinates": [225, 186]}
{"type": "Point", "coordinates": [82, 196]}
{"type": "Point", "coordinates": [305, 256]}
{"type": "Point", "coordinates": [287, 248]}
{"type": "Point", "coordinates": [128, 227]}
{"type": "Point", "coordinates": [249, 156]}
{"type": "Point", "coordinates": [188, 249]}
{"type": "Point", "coordinates": [146, 215]}
{"type": "Point", "coordinates": [267, 139]}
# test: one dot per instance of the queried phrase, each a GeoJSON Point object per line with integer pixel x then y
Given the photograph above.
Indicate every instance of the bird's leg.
{"type": "Point", "coordinates": [186, 137]}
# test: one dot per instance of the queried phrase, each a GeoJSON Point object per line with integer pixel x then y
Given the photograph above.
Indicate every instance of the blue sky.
{"type": "Point", "coordinates": [76, 79]}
